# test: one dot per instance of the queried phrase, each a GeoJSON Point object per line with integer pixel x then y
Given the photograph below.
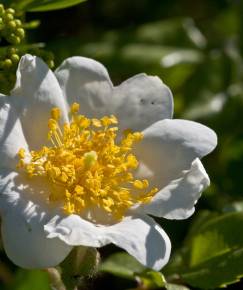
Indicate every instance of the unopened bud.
{"type": "Point", "coordinates": [50, 63]}
{"type": "Point", "coordinates": [11, 24]}
{"type": "Point", "coordinates": [14, 39]}
{"type": "Point", "coordinates": [8, 17]}
{"type": "Point", "coordinates": [18, 22]}
{"type": "Point", "coordinates": [20, 32]}
{"type": "Point", "coordinates": [7, 63]}
{"type": "Point", "coordinates": [2, 11]}
{"type": "Point", "coordinates": [10, 10]}
{"type": "Point", "coordinates": [15, 58]}
{"type": "Point", "coordinates": [11, 50]}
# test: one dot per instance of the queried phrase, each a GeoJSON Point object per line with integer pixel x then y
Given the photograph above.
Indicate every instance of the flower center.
{"type": "Point", "coordinates": [86, 167]}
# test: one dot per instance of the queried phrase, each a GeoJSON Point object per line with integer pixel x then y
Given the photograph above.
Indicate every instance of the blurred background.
{"type": "Point", "coordinates": [196, 48]}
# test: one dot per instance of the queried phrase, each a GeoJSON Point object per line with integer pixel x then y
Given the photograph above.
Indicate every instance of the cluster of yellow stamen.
{"type": "Point", "coordinates": [86, 167]}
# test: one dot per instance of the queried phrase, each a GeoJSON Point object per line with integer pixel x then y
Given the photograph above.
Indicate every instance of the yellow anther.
{"type": "Point", "coordinates": [107, 121]}
{"type": "Point", "coordinates": [21, 153]}
{"type": "Point", "coordinates": [74, 108]}
{"type": "Point", "coordinates": [132, 161]}
{"type": "Point", "coordinates": [96, 123]}
{"type": "Point", "coordinates": [64, 177]}
{"type": "Point", "coordinates": [86, 167]}
{"type": "Point", "coordinates": [113, 119]}
{"type": "Point", "coordinates": [54, 172]}
{"type": "Point", "coordinates": [79, 189]}
{"type": "Point", "coordinates": [138, 136]}
{"type": "Point", "coordinates": [67, 194]}
{"type": "Point", "coordinates": [146, 183]}
{"type": "Point", "coordinates": [138, 184]}
{"type": "Point", "coordinates": [84, 122]}
{"type": "Point", "coordinates": [52, 124]}
{"type": "Point", "coordinates": [126, 132]}
{"type": "Point", "coordinates": [56, 113]}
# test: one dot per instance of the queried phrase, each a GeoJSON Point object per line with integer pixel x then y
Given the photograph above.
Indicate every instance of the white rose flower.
{"type": "Point", "coordinates": [89, 179]}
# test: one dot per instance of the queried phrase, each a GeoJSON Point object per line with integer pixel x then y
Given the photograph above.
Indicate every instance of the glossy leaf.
{"type": "Point", "coordinates": [219, 271]}
{"type": "Point", "coordinates": [45, 5]}
{"type": "Point", "coordinates": [216, 252]}
{"type": "Point", "coordinates": [122, 265]}
{"type": "Point", "coordinates": [170, 286]}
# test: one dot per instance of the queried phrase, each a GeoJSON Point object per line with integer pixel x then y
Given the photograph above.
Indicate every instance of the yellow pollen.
{"type": "Point", "coordinates": [56, 113]}
{"type": "Point", "coordinates": [74, 108]}
{"type": "Point", "coordinates": [87, 167]}
{"type": "Point", "coordinates": [21, 153]}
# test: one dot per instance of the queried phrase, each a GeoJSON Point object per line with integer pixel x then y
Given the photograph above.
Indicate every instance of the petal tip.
{"type": "Point", "coordinates": [26, 60]}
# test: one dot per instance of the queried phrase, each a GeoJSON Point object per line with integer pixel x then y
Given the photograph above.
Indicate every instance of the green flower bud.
{"type": "Point", "coordinates": [12, 38]}
{"type": "Point", "coordinates": [50, 63]}
{"type": "Point", "coordinates": [15, 58]}
{"type": "Point", "coordinates": [12, 25]}
{"type": "Point", "coordinates": [1, 24]}
{"type": "Point", "coordinates": [8, 17]}
{"type": "Point", "coordinates": [7, 63]}
{"type": "Point", "coordinates": [1, 9]}
{"type": "Point", "coordinates": [10, 10]}
{"type": "Point", "coordinates": [18, 22]}
{"type": "Point", "coordinates": [12, 50]}
{"type": "Point", "coordinates": [20, 32]}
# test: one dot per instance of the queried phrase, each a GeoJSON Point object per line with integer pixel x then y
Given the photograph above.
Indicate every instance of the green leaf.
{"type": "Point", "coordinates": [170, 286]}
{"type": "Point", "coordinates": [216, 252]}
{"type": "Point", "coordinates": [30, 279]}
{"type": "Point", "coordinates": [215, 237]}
{"type": "Point", "coordinates": [45, 5]}
{"type": "Point", "coordinates": [48, 5]}
{"type": "Point", "coordinates": [122, 265]}
{"type": "Point", "coordinates": [151, 280]}
{"type": "Point", "coordinates": [219, 271]}
{"type": "Point", "coordinates": [125, 266]}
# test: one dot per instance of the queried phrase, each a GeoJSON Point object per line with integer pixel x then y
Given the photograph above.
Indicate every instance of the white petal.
{"type": "Point", "coordinates": [23, 235]}
{"type": "Point", "coordinates": [87, 82]}
{"type": "Point", "coordinates": [177, 199]}
{"type": "Point", "coordinates": [141, 101]}
{"type": "Point", "coordinates": [137, 102]}
{"type": "Point", "coordinates": [142, 238]}
{"type": "Point", "coordinates": [139, 235]}
{"type": "Point", "coordinates": [11, 134]}
{"type": "Point", "coordinates": [75, 231]}
{"type": "Point", "coordinates": [170, 146]}
{"type": "Point", "coordinates": [35, 93]}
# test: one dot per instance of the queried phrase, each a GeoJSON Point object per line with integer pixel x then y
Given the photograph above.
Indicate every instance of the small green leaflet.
{"type": "Point", "coordinates": [44, 5]}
